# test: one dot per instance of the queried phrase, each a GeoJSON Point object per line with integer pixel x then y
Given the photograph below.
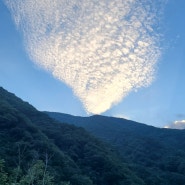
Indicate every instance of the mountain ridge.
{"type": "Point", "coordinates": [157, 152]}
{"type": "Point", "coordinates": [29, 138]}
{"type": "Point", "coordinates": [147, 155]}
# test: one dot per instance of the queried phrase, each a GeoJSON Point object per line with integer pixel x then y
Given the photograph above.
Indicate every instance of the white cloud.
{"type": "Point", "coordinates": [177, 125]}
{"type": "Point", "coordinates": [101, 49]}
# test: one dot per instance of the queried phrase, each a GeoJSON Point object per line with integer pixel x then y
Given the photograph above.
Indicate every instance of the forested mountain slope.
{"type": "Point", "coordinates": [35, 149]}
{"type": "Point", "coordinates": [157, 155]}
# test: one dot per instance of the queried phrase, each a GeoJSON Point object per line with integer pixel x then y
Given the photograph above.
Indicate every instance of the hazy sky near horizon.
{"type": "Point", "coordinates": [83, 57]}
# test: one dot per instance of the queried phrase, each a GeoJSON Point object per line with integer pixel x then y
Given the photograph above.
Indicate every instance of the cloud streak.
{"type": "Point", "coordinates": [101, 49]}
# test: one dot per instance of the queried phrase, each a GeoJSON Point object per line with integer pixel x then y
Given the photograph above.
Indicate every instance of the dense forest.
{"type": "Point", "coordinates": [35, 149]}
{"type": "Point", "coordinates": [157, 155]}
{"type": "Point", "coordinates": [97, 150]}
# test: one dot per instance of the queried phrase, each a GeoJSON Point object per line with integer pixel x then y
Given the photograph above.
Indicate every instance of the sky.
{"type": "Point", "coordinates": [114, 58]}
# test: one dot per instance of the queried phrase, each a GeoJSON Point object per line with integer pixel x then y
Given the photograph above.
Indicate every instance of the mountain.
{"type": "Point", "coordinates": [36, 149]}
{"type": "Point", "coordinates": [156, 155]}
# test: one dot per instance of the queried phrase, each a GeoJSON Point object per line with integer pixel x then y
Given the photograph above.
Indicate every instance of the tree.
{"type": "Point", "coordinates": [3, 174]}
{"type": "Point", "coordinates": [37, 175]}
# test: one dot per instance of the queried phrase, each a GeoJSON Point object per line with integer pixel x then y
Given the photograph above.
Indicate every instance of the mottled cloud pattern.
{"type": "Point", "coordinates": [177, 125]}
{"type": "Point", "coordinates": [102, 49]}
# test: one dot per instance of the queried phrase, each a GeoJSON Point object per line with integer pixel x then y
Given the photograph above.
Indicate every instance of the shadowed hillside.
{"type": "Point", "coordinates": [156, 155]}
{"type": "Point", "coordinates": [35, 149]}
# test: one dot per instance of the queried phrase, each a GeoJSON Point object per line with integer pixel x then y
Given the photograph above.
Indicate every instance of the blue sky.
{"type": "Point", "coordinates": [159, 104]}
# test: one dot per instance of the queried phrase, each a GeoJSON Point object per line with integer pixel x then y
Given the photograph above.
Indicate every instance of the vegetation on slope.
{"type": "Point", "coordinates": [35, 149]}
{"type": "Point", "coordinates": [156, 155]}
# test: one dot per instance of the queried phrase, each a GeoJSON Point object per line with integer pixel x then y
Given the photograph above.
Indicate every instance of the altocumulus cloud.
{"type": "Point", "coordinates": [102, 49]}
{"type": "Point", "coordinates": [177, 125]}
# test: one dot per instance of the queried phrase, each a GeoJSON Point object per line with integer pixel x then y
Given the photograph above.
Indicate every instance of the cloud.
{"type": "Point", "coordinates": [177, 125]}
{"type": "Point", "coordinates": [101, 49]}
{"type": "Point", "coordinates": [180, 115]}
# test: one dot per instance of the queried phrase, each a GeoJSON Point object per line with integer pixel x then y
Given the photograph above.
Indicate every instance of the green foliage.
{"type": "Point", "coordinates": [150, 156]}
{"type": "Point", "coordinates": [39, 150]}
{"type": "Point", "coordinates": [157, 156]}
{"type": "Point", "coordinates": [3, 174]}
{"type": "Point", "coordinates": [65, 183]}
{"type": "Point", "coordinates": [36, 175]}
